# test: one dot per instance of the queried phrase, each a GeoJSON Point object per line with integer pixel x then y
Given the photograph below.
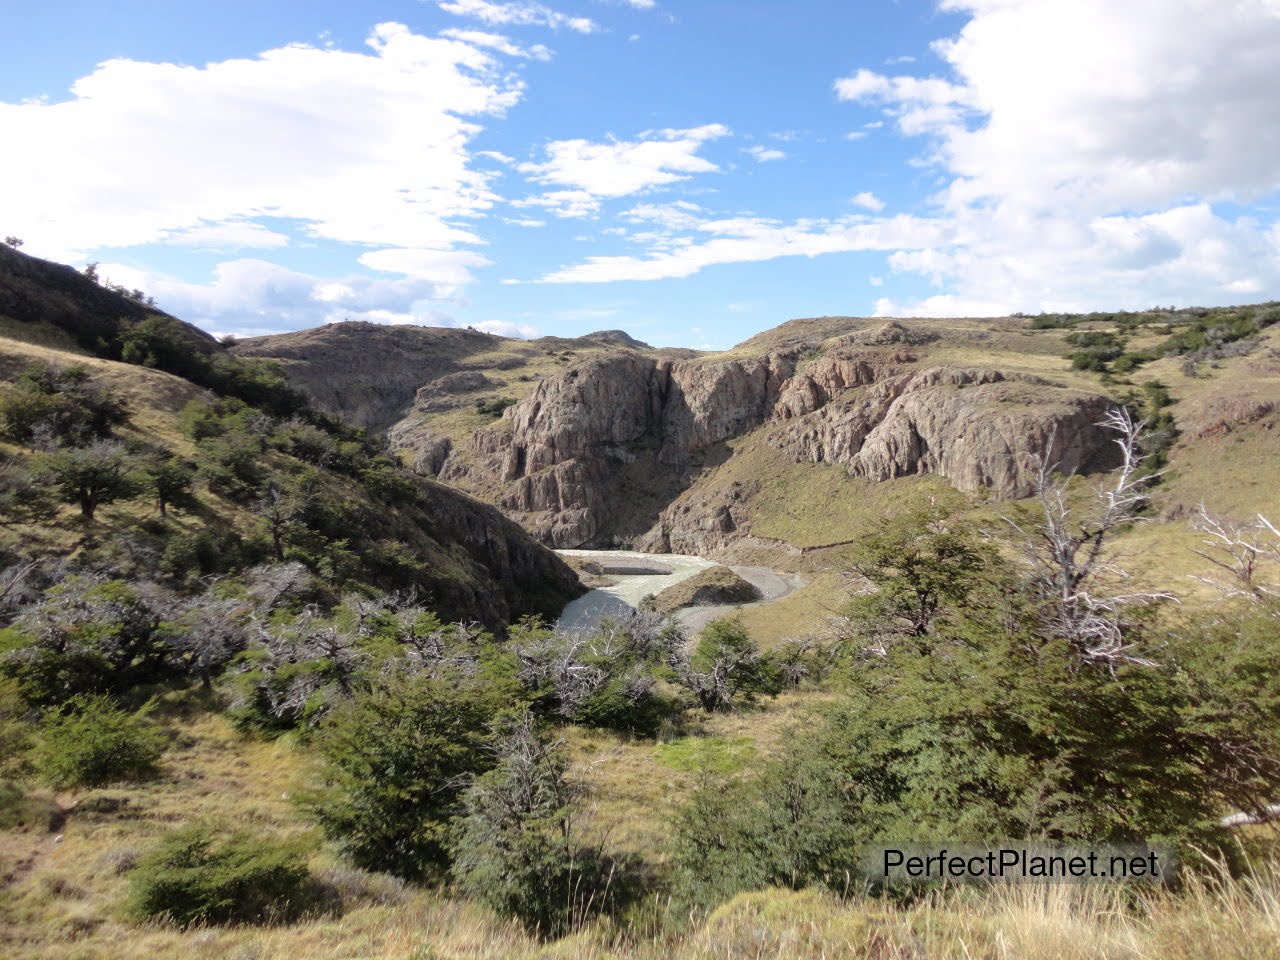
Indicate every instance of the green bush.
{"type": "Point", "coordinates": [91, 741]}
{"type": "Point", "coordinates": [87, 637]}
{"type": "Point", "coordinates": [727, 666]}
{"type": "Point", "coordinates": [202, 874]}
{"type": "Point", "coordinates": [62, 404]}
{"type": "Point", "coordinates": [395, 763]}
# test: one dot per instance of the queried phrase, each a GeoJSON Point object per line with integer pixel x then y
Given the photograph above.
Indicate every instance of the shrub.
{"type": "Point", "coordinates": [58, 404]}
{"type": "Point", "coordinates": [92, 741]}
{"type": "Point", "coordinates": [515, 848]}
{"type": "Point", "coordinates": [90, 476]}
{"type": "Point", "coordinates": [727, 666]}
{"type": "Point", "coordinates": [395, 761]}
{"type": "Point", "coordinates": [87, 636]}
{"type": "Point", "coordinates": [202, 874]}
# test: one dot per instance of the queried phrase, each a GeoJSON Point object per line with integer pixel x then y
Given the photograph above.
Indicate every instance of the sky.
{"type": "Point", "coordinates": [691, 171]}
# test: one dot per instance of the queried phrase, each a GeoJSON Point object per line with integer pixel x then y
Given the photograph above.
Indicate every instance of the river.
{"type": "Point", "coordinates": [630, 589]}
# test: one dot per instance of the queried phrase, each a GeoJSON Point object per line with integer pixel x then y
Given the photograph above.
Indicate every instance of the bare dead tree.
{"type": "Point", "coordinates": [1066, 552]}
{"type": "Point", "coordinates": [1241, 553]}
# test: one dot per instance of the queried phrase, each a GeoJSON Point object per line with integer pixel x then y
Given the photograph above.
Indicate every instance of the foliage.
{"type": "Point", "coordinates": [23, 498]}
{"type": "Point", "coordinates": [918, 567]}
{"type": "Point", "coordinates": [164, 343]}
{"type": "Point", "coordinates": [92, 741]}
{"type": "Point", "coordinates": [87, 636]}
{"type": "Point", "coordinates": [49, 405]}
{"type": "Point", "coordinates": [607, 676]}
{"type": "Point", "coordinates": [168, 480]}
{"type": "Point", "coordinates": [395, 761]}
{"type": "Point", "coordinates": [90, 476]}
{"type": "Point", "coordinates": [206, 874]}
{"type": "Point", "coordinates": [494, 407]}
{"type": "Point", "coordinates": [727, 666]}
{"type": "Point", "coordinates": [515, 848]}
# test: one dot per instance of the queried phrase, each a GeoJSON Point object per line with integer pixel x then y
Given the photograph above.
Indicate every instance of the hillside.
{"type": "Point", "coordinates": [790, 445]}
{"type": "Point", "coordinates": [395, 530]}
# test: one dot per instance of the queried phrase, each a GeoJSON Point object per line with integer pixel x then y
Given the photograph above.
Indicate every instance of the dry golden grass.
{"type": "Point", "coordinates": [62, 893]}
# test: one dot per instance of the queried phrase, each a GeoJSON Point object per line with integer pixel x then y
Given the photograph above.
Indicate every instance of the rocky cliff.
{"type": "Point", "coordinates": [562, 456]}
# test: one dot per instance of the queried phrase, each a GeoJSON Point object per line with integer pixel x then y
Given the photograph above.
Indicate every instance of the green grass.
{"type": "Point", "coordinates": [718, 755]}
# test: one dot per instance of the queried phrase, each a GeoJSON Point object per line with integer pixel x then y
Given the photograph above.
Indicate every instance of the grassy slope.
{"type": "Point", "coordinates": [154, 400]}
{"type": "Point", "coordinates": [62, 893]}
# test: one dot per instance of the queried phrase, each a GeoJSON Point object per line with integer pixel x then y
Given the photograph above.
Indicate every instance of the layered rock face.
{"type": "Point", "coordinates": [977, 428]}
{"type": "Point", "coordinates": [564, 454]}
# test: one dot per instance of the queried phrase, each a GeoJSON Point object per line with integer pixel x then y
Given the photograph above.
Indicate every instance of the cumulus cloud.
{"type": "Point", "coordinates": [1085, 144]}
{"type": "Point", "coordinates": [359, 147]}
{"type": "Point", "coordinates": [249, 297]}
{"type": "Point", "coordinates": [520, 13]}
{"type": "Point", "coordinates": [230, 235]}
{"type": "Point", "coordinates": [591, 172]}
{"type": "Point", "coordinates": [762, 154]}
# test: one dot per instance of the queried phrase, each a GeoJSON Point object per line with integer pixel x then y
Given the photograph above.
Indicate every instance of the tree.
{"type": "Point", "coordinates": [918, 566]}
{"type": "Point", "coordinates": [50, 404]}
{"type": "Point", "coordinates": [207, 632]}
{"type": "Point", "coordinates": [1070, 575]}
{"type": "Point", "coordinates": [395, 763]}
{"type": "Point", "coordinates": [281, 511]}
{"type": "Point", "coordinates": [726, 666]}
{"type": "Point", "coordinates": [90, 476]}
{"type": "Point", "coordinates": [169, 481]}
{"type": "Point", "coordinates": [88, 636]}
{"type": "Point", "coordinates": [12, 242]}
{"type": "Point", "coordinates": [23, 499]}
{"type": "Point", "coordinates": [515, 847]}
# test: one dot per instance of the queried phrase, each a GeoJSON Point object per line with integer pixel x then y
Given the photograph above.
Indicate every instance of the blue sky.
{"type": "Point", "coordinates": [692, 172]}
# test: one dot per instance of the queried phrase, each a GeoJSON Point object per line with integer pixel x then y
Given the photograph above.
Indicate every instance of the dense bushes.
{"type": "Point", "coordinates": [87, 636]}
{"type": "Point", "coordinates": [92, 741]}
{"type": "Point", "coordinates": [977, 714]}
{"type": "Point", "coordinates": [165, 344]}
{"type": "Point", "coordinates": [207, 874]}
{"type": "Point", "coordinates": [49, 404]}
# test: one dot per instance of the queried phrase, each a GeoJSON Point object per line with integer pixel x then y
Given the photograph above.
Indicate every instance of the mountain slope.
{"type": "Point", "coordinates": [357, 518]}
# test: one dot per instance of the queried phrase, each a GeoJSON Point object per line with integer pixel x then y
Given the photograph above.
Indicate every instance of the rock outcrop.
{"type": "Point", "coordinates": [977, 428]}
{"type": "Point", "coordinates": [864, 403]}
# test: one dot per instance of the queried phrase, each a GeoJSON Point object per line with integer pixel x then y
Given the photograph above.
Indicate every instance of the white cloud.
{"type": "Point", "coordinates": [496, 41]}
{"type": "Point", "coordinates": [366, 148]}
{"type": "Point", "coordinates": [753, 240]}
{"type": "Point", "coordinates": [617, 168]}
{"type": "Point", "coordinates": [505, 328]}
{"type": "Point", "coordinates": [519, 13]}
{"type": "Point", "coordinates": [249, 297]}
{"type": "Point", "coordinates": [1084, 145]}
{"type": "Point", "coordinates": [868, 201]}
{"type": "Point", "coordinates": [764, 154]}
{"type": "Point", "coordinates": [230, 235]}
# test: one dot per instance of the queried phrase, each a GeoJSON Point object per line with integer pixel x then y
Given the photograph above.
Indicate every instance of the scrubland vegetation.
{"type": "Point", "coordinates": [255, 727]}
